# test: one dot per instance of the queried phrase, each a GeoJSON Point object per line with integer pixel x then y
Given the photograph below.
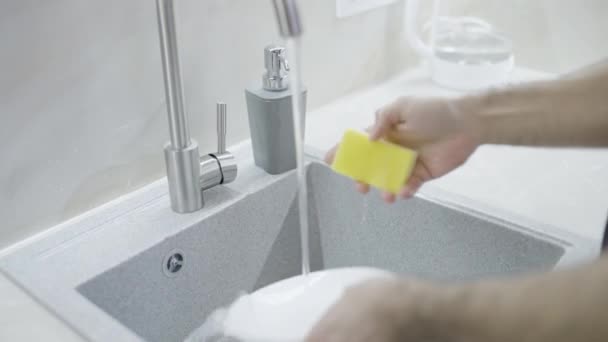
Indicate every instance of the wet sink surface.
{"type": "Point", "coordinates": [252, 240]}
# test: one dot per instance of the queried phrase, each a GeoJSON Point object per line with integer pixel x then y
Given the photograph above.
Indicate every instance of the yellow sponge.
{"type": "Point", "coordinates": [382, 164]}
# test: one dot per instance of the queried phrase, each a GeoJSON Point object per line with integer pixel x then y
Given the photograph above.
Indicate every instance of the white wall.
{"type": "Point", "coordinates": [82, 103]}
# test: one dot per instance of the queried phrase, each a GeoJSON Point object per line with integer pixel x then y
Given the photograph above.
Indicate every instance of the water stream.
{"type": "Point", "coordinates": [245, 308]}
{"type": "Point", "coordinates": [293, 51]}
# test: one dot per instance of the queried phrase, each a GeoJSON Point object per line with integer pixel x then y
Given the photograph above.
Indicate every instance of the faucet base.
{"type": "Point", "coordinates": [183, 176]}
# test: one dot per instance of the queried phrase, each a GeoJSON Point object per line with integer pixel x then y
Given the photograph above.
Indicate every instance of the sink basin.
{"type": "Point", "coordinates": [137, 271]}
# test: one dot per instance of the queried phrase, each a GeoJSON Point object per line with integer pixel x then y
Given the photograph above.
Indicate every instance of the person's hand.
{"type": "Point", "coordinates": [379, 310]}
{"type": "Point", "coordinates": [443, 131]}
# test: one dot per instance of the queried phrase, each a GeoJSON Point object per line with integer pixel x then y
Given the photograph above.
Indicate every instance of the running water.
{"type": "Point", "coordinates": [239, 319]}
{"type": "Point", "coordinates": [293, 50]}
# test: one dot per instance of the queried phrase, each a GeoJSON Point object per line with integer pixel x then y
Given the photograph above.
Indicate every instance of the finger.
{"type": "Point", "coordinates": [362, 187]}
{"type": "Point", "coordinates": [388, 197]}
{"type": "Point", "coordinates": [410, 189]}
{"type": "Point", "coordinates": [419, 175]}
{"type": "Point", "coordinates": [331, 154]}
{"type": "Point", "coordinates": [406, 137]}
{"type": "Point", "coordinates": [385, 120]}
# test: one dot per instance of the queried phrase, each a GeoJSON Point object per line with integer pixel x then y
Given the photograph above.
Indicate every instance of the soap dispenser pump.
{"type": "Point", "coordinates": [277, 68]}
{"type": "Point", "coordinates": [271, 115]}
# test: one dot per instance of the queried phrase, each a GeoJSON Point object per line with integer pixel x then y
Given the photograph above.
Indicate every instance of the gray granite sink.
{"type": "Point", "coordinates": [137, 271]}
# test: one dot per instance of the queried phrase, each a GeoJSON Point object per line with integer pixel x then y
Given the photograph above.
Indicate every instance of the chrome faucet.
{"type": "Point", "coordinates": [187, 173]}
{"type": "Point", "coordinates": [288, 17]}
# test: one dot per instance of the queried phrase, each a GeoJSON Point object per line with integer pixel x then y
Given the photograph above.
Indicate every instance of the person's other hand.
{"type": "Point", "coordinates": [379, 310]}
{"type": "Point", "coordinates": [443, 131]}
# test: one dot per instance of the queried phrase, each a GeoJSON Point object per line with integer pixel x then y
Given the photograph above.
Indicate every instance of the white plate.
{"type": "Point", "coordinates": [287, 310]}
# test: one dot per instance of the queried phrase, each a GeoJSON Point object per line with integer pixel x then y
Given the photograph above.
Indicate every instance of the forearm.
{"type": "Point", "coordinates": [570, 111]}
{"type": "Point", "coordinates": [560, 306]}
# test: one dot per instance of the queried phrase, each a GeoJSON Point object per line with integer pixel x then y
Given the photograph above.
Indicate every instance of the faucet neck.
{"type": "Point", "coordinates": [288, 17]}
{"type": "Point", "coordinates": [174, 95]}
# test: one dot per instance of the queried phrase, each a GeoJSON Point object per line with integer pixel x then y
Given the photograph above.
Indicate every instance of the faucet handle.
{"type": "Point", "coordinates": [219, 167]}
{"type": "Point", "coordinates": [225, 160]}
{"type": "Point", "coordinates": [221, 127]}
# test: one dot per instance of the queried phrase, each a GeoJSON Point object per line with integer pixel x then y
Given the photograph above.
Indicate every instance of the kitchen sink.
{"type": "Point", "coordinates": [136, 271]}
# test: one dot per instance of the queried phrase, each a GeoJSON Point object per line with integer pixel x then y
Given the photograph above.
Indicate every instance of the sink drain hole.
{"type": "Point", "coordinates": [173, 263]}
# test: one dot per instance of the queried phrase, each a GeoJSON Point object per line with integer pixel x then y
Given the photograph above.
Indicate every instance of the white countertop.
{"type": "Point", "coordinates": [24, 319]}
{"type": "Point", "coordinates": [564, 188]}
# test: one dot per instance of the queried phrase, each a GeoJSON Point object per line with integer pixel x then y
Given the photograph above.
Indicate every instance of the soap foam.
{"type": "Point", "coordinates": [283, 311]}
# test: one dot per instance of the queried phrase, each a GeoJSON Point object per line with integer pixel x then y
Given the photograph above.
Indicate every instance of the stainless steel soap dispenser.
{"type": "Point", "coordinates": [271, 115]}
